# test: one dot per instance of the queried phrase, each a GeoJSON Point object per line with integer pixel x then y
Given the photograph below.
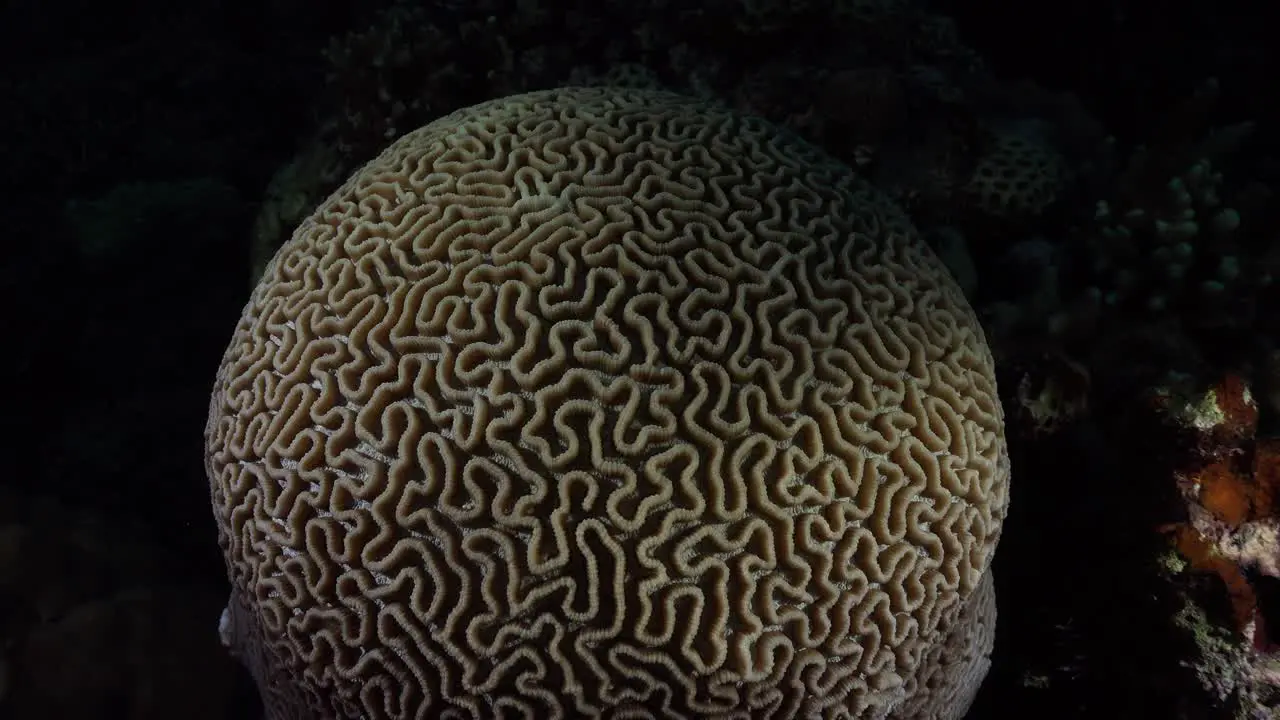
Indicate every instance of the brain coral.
{"type": "Point", "coordinates": [604, 402]}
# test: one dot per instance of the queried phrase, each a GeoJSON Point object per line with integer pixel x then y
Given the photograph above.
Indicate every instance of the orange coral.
{"type": "Point", "coordinates": [1222, 417]}
{"type": "Point", "coordinates": [1203, 558]}
{"type": "Point", "coordinates": [1266, 476]}
{"type": "Point", "coordinates": [1230, 485]}
{"type": "Point", "coordinates": [1223, 492]}
{"type": "Point", "coordinates": [1236, 495]}
{"type": "Point", "coordinates": [1239, 410]}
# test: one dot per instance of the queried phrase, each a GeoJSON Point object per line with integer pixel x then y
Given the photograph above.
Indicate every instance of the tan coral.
{"type": "Point", "coordinates": [603, 400]}
{"type": "Point", "coordinates": [948, 679]}
{"type": "Point", "coordinates": [1018, 177]}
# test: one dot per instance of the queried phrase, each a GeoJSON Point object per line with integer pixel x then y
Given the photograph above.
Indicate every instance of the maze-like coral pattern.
{"type": "Point", "coordinates": [599, 402]}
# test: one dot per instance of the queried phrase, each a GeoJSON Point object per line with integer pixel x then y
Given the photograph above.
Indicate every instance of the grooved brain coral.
{"type": "Point", "coordinates": [611, 403]}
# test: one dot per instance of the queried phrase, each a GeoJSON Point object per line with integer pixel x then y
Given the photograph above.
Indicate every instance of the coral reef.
{"type": "Point", "coordinates": [1229, 482]}
{"type": "Point", "coordinates": [1112, 219]}
{"type": "Point", "coordinates": [1099, 266]}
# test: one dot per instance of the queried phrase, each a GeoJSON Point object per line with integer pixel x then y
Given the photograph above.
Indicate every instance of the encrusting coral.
{"type": "Point", "coordinates": [1229, 485]}
{"type": "Point", "coordinates": [608, 400]}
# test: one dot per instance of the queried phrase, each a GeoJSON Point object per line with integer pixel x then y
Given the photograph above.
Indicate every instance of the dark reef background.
{"type": "Point", "coordinates": [143, 145]}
